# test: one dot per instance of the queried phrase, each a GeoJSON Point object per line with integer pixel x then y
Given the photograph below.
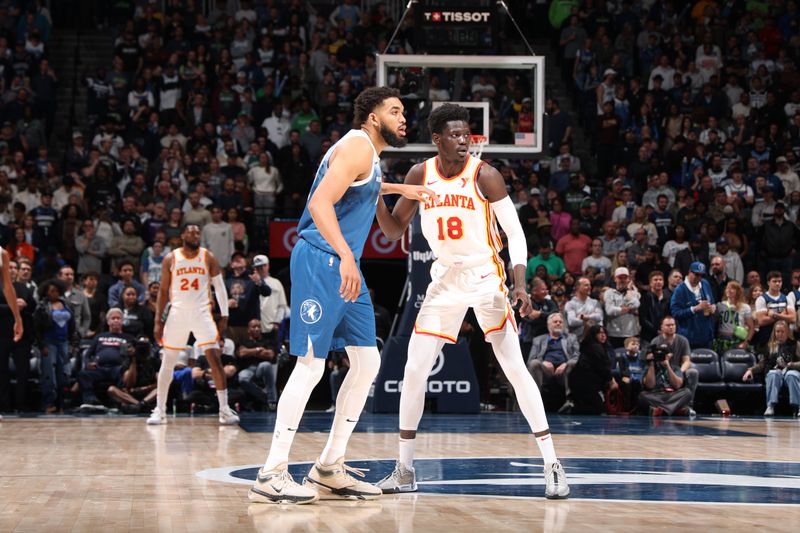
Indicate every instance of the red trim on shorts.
{"type": "Point", "coordinates": [434, 334]}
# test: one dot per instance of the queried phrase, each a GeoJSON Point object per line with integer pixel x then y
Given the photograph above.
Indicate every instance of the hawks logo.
{"type": "Point", "coordinates": [310, 311]}
{"type": "Point", "coordinates": [634, 479]}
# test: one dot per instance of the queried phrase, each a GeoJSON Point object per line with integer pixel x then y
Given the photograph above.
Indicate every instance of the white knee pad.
{"type": "Point", "coordinates": [169, 358]}
{"type": "Point", "coordinates": [365, 361]}
{"type": "Point", "coordinates": [422, 352]}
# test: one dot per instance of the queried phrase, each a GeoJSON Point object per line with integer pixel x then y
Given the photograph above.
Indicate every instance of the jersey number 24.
{"type": "Point", "coordinates": [187, 284]}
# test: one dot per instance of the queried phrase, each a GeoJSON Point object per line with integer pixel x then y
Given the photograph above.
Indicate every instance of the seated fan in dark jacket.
{"type": "Point", "coordinates": [591, 377]}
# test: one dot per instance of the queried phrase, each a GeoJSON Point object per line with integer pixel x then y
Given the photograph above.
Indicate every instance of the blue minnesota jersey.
{"type": "Point", "coordinates": [355, 210]}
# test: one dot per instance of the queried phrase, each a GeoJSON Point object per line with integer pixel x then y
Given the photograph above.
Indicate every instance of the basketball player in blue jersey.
{"type": "Point", "coordinates": [459, 224]}
{"type": "Point", "coordinates": [10, 293]}
{"type": "Point", "coordinates": [331, 308]}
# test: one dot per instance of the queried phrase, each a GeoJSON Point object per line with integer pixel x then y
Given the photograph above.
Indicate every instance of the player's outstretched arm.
{"type": "Point", "coordinates": [352, 160]}
{"type": "Point", "coordinates": [163, 296]}
{"type": "Point", "coordinates": [394, 223]}
{"type": "Point", "coordinates": [492, 185]}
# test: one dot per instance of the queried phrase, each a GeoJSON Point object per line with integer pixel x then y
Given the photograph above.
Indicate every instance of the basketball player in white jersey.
{"type": "Point", "coordinates": [10, 294]}
{"type": "Point", "coordinates": [187, 275]}
{"type": "Point", "coordinates": [460, 227]}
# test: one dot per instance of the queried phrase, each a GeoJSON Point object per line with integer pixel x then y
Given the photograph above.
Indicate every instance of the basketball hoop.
{"type": "Point", "coordinates": [476, 144]}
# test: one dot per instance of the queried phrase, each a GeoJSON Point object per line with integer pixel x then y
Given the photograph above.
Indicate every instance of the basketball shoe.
{"type": "Point", "coordinates": [227, 416]}
{"type": "Point", "coordinates": [335, 482]}
{"type": "Point", "coordinates": [157, 418]}
{"type": "Point", "coordinates": [556, 487]}
{"type": "Point", "coordinates": [278, 486]}
{"type": "Point", "coordinates": [402, 479]}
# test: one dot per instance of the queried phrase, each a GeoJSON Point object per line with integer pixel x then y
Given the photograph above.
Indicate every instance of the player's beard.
{"type": "Point", "coordinates": [191, 246]}
{"type": "Point", "coordinates": [392, 139]}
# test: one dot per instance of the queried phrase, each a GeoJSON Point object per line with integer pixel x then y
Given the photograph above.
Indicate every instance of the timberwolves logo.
{"type": "Point", "coordinates": [310, 311]}
{"type": "Point", "coordinates": [633, 479]}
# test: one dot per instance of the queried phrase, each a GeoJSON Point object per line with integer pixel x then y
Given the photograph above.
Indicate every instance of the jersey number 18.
{"type": "Point", "coordinates": [453, 227]}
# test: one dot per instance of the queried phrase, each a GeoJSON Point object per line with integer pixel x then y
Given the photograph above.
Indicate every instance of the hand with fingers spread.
{"type": "Point", "coordinates": [351, 279]}
{"type": "Point", "coordinates": [416, 192]}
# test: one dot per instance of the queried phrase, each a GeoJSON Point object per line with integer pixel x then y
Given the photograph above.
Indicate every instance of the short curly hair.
{"type": "Point", "coordinates": [445, 113]}
{"type": "Point", "coordinates": [371, 98]}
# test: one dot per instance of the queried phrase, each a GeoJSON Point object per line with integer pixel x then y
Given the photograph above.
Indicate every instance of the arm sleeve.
{"type": "Point", "coordinates": [221, 294]}
{"type": "Point", "coordinates": [507, 216]}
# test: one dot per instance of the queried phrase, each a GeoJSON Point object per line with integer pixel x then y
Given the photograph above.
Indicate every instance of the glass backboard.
{"type": "Point", "coordinates": [508, 90]}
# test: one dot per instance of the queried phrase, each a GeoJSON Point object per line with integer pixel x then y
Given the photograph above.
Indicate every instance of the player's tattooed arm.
{"type": "Point", "coordinates": [394, 223]}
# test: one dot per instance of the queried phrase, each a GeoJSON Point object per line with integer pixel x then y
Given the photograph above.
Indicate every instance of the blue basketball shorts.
{"type": "Point", "coordinates": [319, 315]}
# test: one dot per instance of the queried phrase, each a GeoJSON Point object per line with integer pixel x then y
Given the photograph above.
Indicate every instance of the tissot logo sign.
{"type": "Point", "coordinates": [457, 16]}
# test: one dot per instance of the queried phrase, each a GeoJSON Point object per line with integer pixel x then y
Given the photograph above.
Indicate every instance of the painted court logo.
{"type": "Point", "coordinates": [633, 479]}
{"type": "Point", "coordinates": [310, 311]}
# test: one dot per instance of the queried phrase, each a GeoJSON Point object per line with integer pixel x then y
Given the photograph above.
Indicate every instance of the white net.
{"type": "Point", "coordinates": [476, 144]}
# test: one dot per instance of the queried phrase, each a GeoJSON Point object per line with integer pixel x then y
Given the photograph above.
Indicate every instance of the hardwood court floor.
{"type": "Point", "coordinates": [117, 474]}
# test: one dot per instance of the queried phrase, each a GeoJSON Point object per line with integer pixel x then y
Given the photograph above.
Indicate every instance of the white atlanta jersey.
{"type": "Point", "coordinates": [190, 289]}
{"type": "Point", "coordinates": [459, 224]}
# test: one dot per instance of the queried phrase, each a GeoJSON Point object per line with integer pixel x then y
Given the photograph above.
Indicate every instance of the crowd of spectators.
{"type": "Point", "coordinates": [687, 211]}
{"type": "Point", "coordinates": [692, 111]}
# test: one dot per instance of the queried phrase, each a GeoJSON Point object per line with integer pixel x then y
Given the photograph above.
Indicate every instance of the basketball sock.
{"type": "Point", "coordinates": [407, 447]}
{"type": "Point", "coordinates": [305, 376]}
{"type": "Point", "coordinates": [168, 360]}
{"type": "Point", "coordinates": [364, 365]}
{"type": "Point", "coordinates": [222, 396]}
{"type": "Point", "coordinates": [507, 350]}
{"type": "Point", "coordinates": [422, 352]}
{"type": "Point", "coordinates": [546, 448]}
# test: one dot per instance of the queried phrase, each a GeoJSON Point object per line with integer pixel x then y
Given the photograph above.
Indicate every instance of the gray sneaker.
{"type": "Point", "coordinates": [401, 479]}
{"type": "Point", "coordinates": [556, 487]}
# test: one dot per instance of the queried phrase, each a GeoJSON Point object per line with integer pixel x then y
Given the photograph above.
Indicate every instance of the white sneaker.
{"type": "Point", "coordinates": [157, 418]}
{"type": "Point", "coordinates": [227, 416]}
{"type": "Point", "coordinates": [770, 411]}
{"type": "Point", "coordinates": [556, 487]}
{"type": "Point", "coordinates": [401, 479]}
{"type": "Point", "coordinates": [335, 482]}
{"type": "Point", "coordinates": [278, 486]}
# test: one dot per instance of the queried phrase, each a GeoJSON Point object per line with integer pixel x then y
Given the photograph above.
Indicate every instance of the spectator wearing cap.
{"type": "Point", "coordinates": [622, 308]}
{"type": "Point", "coordinates": [77, 155]}
{"type": "Point", "coordinates": [529, 213]}
{"type": "Point", "coordinates": [778, 241]}
{"type": "Point", "coordinates": [788, 177]}
{"type": "Point", "coordinates": [693, 306]}
{"type": "Point", "coordinates": [273, 307]}
{"type": "Point", "coordinates": [612, 199]}
{"type": "Point", "coordinates": [551, 262]}
{"type": "Point", "coordinates": [244, 288]}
